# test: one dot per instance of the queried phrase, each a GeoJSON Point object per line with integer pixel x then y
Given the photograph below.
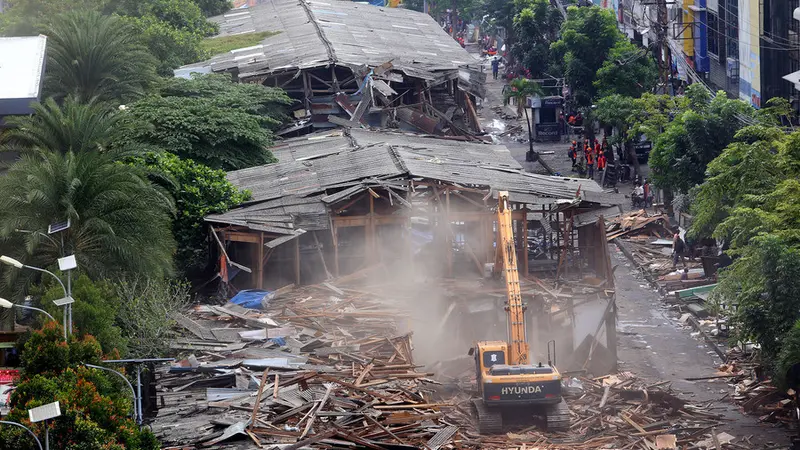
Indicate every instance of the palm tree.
{"type": "Point", "coordinates": [120, 222]}
{"type": "Point", "coordinates": [520, 89]}
{"type": "Point", "coordinates": [74, 127]}
{"type": "Point", "coordinates": [96, 57]}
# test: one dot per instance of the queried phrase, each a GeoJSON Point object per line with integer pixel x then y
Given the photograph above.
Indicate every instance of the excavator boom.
{"type": "Point", "coordinates": [517, 338]}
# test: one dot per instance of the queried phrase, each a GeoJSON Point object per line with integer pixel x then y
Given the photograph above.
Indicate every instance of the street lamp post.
{"type": "Point", "coordinates": [8, 305]}
{"type": "Point", "coordinates": [6, 422]}
{"type": "Point", "coordinates": [136, 414]}
{"type": "Point", "coordinates": [14, 263]}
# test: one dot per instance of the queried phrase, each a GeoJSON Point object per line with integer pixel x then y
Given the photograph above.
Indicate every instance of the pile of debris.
{"type": "Point", "coordinates": [648, 240]}
{"type": "Point", "coordinates": [615, 411]}
{"type": "Point", "coordinates": [323, 364]}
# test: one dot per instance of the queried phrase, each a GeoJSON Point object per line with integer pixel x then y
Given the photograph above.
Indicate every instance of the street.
{"type": "Point", "coordinates": [653, 344]}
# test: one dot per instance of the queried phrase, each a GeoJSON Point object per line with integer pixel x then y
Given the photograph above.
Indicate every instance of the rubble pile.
{"type": "Point", "coordinates": [614, 411]}
{"type": "Point", "coordinates": [323, 364]}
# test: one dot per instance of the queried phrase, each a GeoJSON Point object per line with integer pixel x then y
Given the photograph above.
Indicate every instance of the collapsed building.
{"type": "Point", "coordinates": [351, 64]}
{"type": "Point", "coordinates": [337, 202]}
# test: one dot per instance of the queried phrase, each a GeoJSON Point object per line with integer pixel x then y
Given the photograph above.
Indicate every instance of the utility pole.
{"type": "Point", "coordinates": [663, 46]}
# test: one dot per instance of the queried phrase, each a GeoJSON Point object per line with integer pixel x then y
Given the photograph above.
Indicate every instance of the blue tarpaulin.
{"type": "Point", "coordinates": [252, 298]}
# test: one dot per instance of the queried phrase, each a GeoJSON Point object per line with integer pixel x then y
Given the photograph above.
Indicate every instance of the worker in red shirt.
{"type": "Point", "coordinates": [597, 148]}
{"type": "Point", "coordinates": [601, 161]}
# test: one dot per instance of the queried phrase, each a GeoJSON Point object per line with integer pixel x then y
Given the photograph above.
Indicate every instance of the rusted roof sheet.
{"type": "Point", "coordinates": [317, 33]}
{"type": "Point", "coordinates": [322, 169]}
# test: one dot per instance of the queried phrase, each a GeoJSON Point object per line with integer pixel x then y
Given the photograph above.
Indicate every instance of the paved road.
{"type": "Point", "coordinates": [656, 347]}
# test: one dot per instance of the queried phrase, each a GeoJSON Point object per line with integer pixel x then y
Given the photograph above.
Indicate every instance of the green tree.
{"type": "Point", "coordinates": [632, 117]}
{"type": "Point", "coordinates": [146, 316]}
{"type": "Point", "coordinates": [751, 199]}
{"type": "Point", "coordinates": [210, 120]}
{"type": "Point", "coordinates": [213, 7]}
{"type": "Point", "coordinates": [198, 191]}
{"type": "Point", "coordinates": [172, 47]}
{"type": "Point", "coordinates": [519, 90]}
{"type": "Point", "coordinates": [120, 222]}
{"type": "Point", "coordinates": [29, 17]}
{"type": "Point", "coordinates": [183, 15]}
{"type": "Point", "coordinates": [76, 127]}
{"type": "Point", "coordinates": [536, 27]}
{"type": "Point", "coordinates": [696, 136]}
{"type": "Point", "coordinates": [96, 58]}
{"type": "Point", "coordinates": [94, 312]}
{"type": "Point", "coordinates": [628, 70]}
{"type": "Point", "coordinates": [95, 408]}
{"type": "Point", "coordinates": [587, 38]}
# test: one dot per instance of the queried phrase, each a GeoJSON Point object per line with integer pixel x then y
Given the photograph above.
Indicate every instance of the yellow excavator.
{"type": "Point", "coordinates": [507, 382]}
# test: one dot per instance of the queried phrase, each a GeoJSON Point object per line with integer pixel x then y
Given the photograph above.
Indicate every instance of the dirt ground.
{"type": "Point", "coordinates": [652, 343]}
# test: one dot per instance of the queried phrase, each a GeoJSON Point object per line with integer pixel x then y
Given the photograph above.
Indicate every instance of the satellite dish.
{"type": "Point", "coordinates": [796, 14]}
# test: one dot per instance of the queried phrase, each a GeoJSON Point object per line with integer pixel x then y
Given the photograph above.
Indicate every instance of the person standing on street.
{"type": "Point", "coordinates": [678, 251]}
{"type": "Point", "coordinates": [573, 154]}
{"type": "Point", "coordinates": [646, 192]}
{"type": "Point", "coordinates": [601, 161]}
{"type": "Point", "coordinates": [495, 67]}
{"type": "Point", "coordinates": [590, 163]}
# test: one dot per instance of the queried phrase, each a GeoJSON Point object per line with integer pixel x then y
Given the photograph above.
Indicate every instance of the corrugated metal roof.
{"type": "Point", "coordinates": [21, 72]}
{"type": "Point", "coordinates": [317, 33]}
{"type": "Point", "coordinates": [293, 193]}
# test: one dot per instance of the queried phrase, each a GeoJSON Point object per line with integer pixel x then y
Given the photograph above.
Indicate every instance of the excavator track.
{"type": "Point", "coordinates": [490, 421]}
{"type": "Point", "coordinates": [558, 418]}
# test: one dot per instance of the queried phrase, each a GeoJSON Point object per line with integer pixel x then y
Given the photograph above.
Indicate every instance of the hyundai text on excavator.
{"type": "Point", "coordinates": [508, 383]}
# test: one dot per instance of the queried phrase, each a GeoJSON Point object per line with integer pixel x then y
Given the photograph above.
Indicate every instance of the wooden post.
{"type": "Point", "coordinates": [335, 240]}
{"type": "Point", "coordinates": [525, 240]}
{"type": "Point", "coordinates": [260, 262]}
{"type": "Point", "coordinates": [447, 236]}
{"type": "Point", "coordinates": [371, 247]}
{"type": "Point", "coordinates": [297, 260]}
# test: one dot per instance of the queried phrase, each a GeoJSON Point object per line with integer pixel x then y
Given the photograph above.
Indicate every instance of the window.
{"type": "Point", "coordinates": [732, 19]}
{"type": "Point", "coordinates": [713, 34]}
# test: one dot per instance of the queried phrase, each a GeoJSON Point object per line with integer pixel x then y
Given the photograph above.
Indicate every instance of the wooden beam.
{"type": "Point", "coordinates": [242, 236]}
{"type": "Point", "coordinates": [260, 262]}
{"type": "Point", "coordinates": [335, 239]}
{"type": "Point", "coordinates": [297, 260]}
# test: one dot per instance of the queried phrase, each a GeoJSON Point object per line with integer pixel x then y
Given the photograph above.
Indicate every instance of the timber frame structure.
{"type": "Point", "coordinates": [348, 64]}
{"type": "Point", "coordinates": [340, 201]}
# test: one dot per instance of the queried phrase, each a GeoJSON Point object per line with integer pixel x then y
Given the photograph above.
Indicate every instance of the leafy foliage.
{"type": "Point", "coordinates": [536, 27]}
{"type": "Point", "coordinates": [172, 47]}
{"type": "Point", "coordinates": [587, 38]}
{"type": "Point", "coordinates": [94, 407]}
{"type": "Point", "coordinates": [213, 7]}
{"type": "Point", "coordinates": [628, 70]}
{"type": "Point", "coordinates": [697, 136]}
{"type": "Point", "coordinates": [29, 17]}
{"type": "Point", "coordinates": [146, 314]}
{"type": "Point", "coordinates": [75, 127]}
{"type": "Point", "coordinates": [120, 223]}
{"type": "Point", "coordinates": [210, 120]}
{"type": "Point", "coordinates": [750, 199]}
{"type": "Point", "coordinates": [96, 58]}
{"type": "Point", "coordinates": [198, 191]}
{"type": "Point", "coordinates": [94, 312]}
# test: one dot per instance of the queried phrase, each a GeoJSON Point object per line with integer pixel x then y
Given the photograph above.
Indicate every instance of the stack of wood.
{"type": "Point", "coordinates": [639, 223]}
{"type": "Point", "coordinates": [616, 411]}
{"type": "Point", "coordinates": [323, 365]}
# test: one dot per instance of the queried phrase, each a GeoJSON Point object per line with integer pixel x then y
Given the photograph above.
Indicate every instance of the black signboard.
{"type": "Point", "coordinates": [552, 102]}
{"type": "Point", "coordinates": [548, 131]}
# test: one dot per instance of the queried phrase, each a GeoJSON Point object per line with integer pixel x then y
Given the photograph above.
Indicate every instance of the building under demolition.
{"type": "Point", "coordinates": [352, 64]}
